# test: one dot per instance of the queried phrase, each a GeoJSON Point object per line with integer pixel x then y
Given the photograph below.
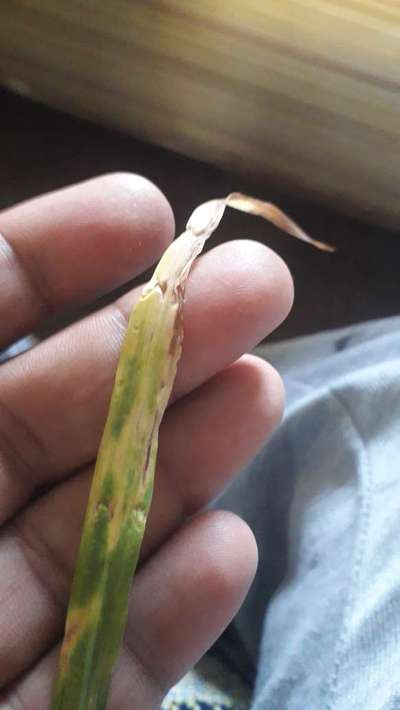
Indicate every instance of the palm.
{"type": "Point", "coordinates": [67, 248]}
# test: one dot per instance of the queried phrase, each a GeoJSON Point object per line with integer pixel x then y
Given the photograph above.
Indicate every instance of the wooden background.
{"type": "Point", "coordinates": [303, 93]}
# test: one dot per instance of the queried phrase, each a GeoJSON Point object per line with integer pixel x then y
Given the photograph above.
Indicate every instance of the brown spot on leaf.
{"type": "Point", "coordinates": [72, 631]}
{"type": "Point", "coordinates": [148, 451]}
{"type": "Point", "coordinates": [177, 334]}
{"type": "Point", "coordinates": [109, 507]}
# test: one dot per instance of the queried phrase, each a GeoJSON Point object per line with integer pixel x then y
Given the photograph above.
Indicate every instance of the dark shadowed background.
{"type": "Point", "coordinates": [43, 149]}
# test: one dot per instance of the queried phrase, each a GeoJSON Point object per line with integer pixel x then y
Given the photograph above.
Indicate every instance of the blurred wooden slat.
{"type": "Point", "coordinates": [304, 91]}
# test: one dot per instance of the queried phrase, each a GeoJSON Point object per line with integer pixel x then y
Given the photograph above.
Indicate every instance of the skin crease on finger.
{"type": "Point", "coordinates": [237, 293]}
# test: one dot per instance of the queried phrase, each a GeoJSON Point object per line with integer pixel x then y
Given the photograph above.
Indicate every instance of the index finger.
{"type": "Point", "coordinates": [73, 245]}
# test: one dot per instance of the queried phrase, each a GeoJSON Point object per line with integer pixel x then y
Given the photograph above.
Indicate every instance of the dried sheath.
{"type": "Point", "coordinates": [122, 486]}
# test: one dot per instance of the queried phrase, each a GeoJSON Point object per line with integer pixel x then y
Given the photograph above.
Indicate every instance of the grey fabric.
{"type": "Point", "coordinates": [321, 625]}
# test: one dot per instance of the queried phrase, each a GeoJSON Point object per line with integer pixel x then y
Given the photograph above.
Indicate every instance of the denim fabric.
{"type": "Point", "coordinates": [321, 625]}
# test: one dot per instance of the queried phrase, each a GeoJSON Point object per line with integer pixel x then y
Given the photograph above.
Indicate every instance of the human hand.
{"type": "Point", "coordinates": [66, 248]}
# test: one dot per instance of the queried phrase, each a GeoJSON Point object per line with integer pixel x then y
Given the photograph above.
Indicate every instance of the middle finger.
{"type": "Point", "coordinates": [54, 398]}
